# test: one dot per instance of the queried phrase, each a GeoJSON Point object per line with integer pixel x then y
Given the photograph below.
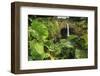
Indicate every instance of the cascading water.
{"type": "Point", "coordinates": [67, 29]}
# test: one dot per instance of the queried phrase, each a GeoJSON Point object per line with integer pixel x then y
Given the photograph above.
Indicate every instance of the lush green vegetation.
{"type": "Point", "coordinates": [48, 37]}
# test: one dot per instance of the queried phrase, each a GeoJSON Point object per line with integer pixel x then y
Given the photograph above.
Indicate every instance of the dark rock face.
{"type": "Point", "coordinates": [63, 32]}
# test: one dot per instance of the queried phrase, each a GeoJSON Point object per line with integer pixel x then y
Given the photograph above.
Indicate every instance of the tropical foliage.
{"type": "Point", "coordinates": [48, 37]}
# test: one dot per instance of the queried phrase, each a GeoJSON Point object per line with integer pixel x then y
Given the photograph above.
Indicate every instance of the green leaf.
{"type": "Point", "coordinates": [71, 37]}
{"type": "Point", "coordinates": [33, 33]}
{"type": "Point", "coordinates": [40, 28]}
{"type": "Point", "coordinates": [50, 45]}
{"type": "Point", "coordinates": [65, 43]}
{"type": "Point", "coordinates": [81, 53]}
{"type": "Point", "coordinates": [37, 50]}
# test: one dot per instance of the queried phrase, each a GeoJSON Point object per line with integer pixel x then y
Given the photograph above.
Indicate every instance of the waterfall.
{"type": "Point", "coordinates": [67, 29]}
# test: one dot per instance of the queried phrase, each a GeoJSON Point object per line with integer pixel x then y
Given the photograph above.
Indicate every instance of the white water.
{"type": "Point", "coordinates": [67, 29]}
